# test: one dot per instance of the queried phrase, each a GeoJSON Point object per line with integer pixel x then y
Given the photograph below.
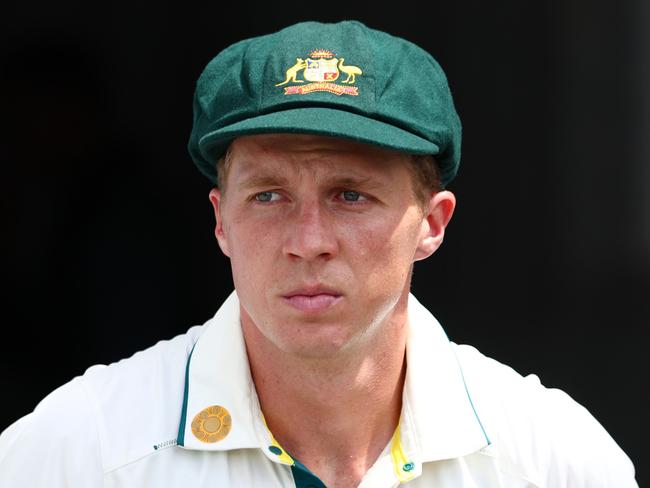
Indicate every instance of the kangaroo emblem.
{"type": "Point", "coordinates": [293, 72]}
{"type": "Point", "coordinates": [321, 71]}
{"type": "Point", "coordinates": [351, 71]}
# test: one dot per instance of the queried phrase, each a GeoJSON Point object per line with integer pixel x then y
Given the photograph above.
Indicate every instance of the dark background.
{"type": "Point", "coordinates": [107, 239]}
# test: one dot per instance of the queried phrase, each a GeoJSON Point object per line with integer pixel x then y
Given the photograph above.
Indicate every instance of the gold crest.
{"type": "Point", "coordinates": [321, 69]}
{"type": "Point", "coordinates": [212, 424]}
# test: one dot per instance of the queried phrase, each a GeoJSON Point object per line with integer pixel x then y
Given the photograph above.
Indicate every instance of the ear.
{"type": "Point", "coordinates": [216, 198]}
{"type": "Point", "coordinates": [432, 232]}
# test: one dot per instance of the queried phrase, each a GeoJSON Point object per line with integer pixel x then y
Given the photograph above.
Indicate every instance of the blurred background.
{"type": "Point", "coordinates": [107, 241]}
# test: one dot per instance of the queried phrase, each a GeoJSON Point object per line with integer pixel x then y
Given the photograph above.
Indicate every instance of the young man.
{"type": "Point", "coordinates": [330, 145]}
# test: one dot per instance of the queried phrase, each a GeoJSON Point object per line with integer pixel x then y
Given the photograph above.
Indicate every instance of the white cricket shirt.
{"type": "Point", "coordinates": [185, 413]}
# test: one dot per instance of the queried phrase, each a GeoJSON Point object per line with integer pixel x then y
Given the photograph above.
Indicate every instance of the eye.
{"type": "Point", "coordinates": [267, 196]}
{"type": "Point", "coordinates": [352, 196]}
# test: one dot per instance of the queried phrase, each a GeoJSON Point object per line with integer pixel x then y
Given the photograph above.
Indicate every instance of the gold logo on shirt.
{"type": "Point", "coordinates": [212, 424]}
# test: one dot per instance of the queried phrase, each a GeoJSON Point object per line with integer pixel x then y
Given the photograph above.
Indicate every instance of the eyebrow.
{"type": "Point", "coordinates": [257, 181]}
{"type": "Point", "coordinates": [352, 181]}
{"type": "Point", "coordinates": [275, 180]}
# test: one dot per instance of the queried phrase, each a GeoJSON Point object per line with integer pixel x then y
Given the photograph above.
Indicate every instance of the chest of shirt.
{"type": "Point", "coordinates": [178, 468]}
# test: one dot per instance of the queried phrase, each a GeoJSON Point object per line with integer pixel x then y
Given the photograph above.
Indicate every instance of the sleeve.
{"type": "Point", "coordinates": [542, 434]}
{"type": "Point", "coordinates": [56, 446]}
{"type": "Point", "coordinates": [582, 454]}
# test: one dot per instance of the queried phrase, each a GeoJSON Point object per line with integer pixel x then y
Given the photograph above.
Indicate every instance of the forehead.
{"type": "Point", "coordinates": [294, 153]}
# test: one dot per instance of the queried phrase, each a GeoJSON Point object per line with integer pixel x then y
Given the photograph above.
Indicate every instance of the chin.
{"type": "Point", "coordinates": [317, 341]}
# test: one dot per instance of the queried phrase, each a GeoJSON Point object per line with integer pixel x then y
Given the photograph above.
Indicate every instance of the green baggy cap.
{"type": "Point", "coordinates": [343, 80]}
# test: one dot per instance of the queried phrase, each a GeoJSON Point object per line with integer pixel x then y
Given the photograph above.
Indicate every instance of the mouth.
{"type": "Point", "coordinates": [312, 299]}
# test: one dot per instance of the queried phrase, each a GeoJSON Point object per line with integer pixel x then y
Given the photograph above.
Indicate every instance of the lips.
{"type": "Point", "coordinates": [312, 299]}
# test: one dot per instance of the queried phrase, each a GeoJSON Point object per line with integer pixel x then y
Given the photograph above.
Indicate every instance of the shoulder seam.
{"type": "Point", "coordinates": [132, 461]}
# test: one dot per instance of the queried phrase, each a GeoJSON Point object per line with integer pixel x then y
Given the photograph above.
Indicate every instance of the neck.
{"type": "Point", "coordinates": [334, 414]}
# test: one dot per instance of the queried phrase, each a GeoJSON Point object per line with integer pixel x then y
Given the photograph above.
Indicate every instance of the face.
{"type": "Point", "coordinates": [322, 234]}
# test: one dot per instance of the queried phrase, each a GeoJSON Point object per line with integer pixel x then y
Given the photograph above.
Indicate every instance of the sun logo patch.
{"type": "Point", "coordinates": [321, 71]}
{"type": "Point", "coordinates": [212, 424]}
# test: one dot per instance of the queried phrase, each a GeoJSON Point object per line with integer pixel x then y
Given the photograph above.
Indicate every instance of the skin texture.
{"type": "Point", "coordinates": [322, 234]}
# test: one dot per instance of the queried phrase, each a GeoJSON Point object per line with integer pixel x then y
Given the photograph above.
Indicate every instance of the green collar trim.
{"type": "Point", "coordinates": [181, 428]}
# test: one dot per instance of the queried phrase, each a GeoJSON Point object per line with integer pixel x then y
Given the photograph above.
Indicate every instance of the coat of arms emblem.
{"type": "Point", "coordinates": [321, 69]}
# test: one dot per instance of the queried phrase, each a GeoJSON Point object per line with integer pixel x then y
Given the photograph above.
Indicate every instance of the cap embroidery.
{"type": "Point", "coordinates": [321, 69]}
{"type": "Point", "coordinates": [212, 424]}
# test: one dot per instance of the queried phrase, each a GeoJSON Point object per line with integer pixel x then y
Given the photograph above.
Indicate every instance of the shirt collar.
{"type": "Point", "coordinates": [218, 375]}
{"type": "Point", "coordinates": [438, 419]}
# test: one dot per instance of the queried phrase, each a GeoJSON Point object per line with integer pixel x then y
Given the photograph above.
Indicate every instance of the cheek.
{"type": "Point", "coordinates": [250, 253]}
{"type": "Point", "coordinates": [385, 248]}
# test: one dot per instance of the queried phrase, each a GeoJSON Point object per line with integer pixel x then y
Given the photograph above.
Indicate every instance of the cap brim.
{"type": "Point", "coordinates": [317, 120]}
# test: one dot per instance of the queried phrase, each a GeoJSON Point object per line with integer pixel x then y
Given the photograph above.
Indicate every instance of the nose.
{"type": "Point", "coordinates": [310, 233]}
